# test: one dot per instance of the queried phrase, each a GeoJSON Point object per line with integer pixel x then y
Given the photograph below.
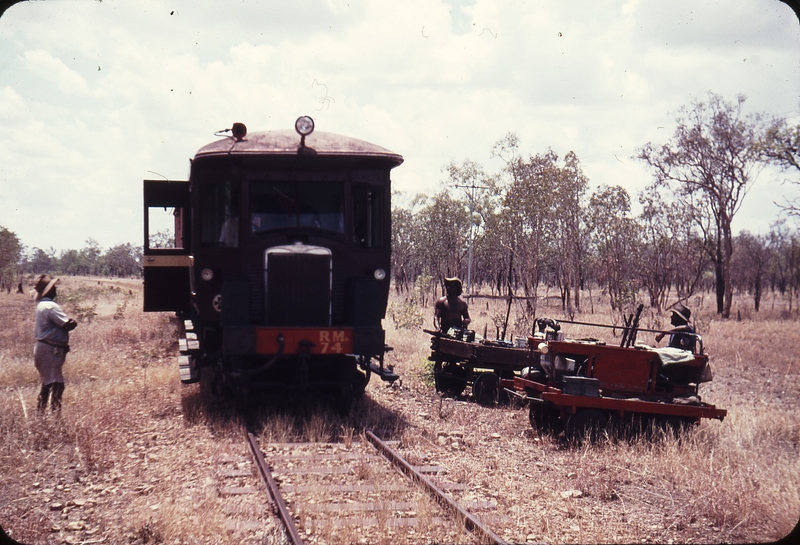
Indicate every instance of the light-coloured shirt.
{"type": "Point", "coordinates": [50, 320]}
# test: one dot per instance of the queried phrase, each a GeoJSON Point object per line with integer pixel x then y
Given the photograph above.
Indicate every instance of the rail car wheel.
{"type": "Point", "coordinates": [543, 418]}
{"type": "Point", "coordinates": [451, 379]}
{"type": "Point", "coordinates": [486, 389]}
{"type": "Point", "coordinates": [586, 424]}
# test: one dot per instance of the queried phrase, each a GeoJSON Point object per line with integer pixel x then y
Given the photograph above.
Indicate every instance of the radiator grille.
{"type": "Point", "coordinates": [298, 286]}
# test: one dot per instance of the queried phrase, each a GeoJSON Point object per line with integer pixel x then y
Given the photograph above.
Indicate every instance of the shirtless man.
{"type": "Point", "coordinates": [451, 310]}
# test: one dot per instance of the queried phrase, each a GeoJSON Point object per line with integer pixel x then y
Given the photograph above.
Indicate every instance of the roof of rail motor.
{"type": "Point", "coordinates": [288, 143]}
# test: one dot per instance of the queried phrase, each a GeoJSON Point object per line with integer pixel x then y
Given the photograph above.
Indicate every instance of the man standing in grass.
{"type": "Point", "coordinates": [51, 330]}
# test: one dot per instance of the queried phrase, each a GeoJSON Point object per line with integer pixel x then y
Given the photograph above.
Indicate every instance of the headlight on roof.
{"type": "Point", "coordinates": [304, 125]}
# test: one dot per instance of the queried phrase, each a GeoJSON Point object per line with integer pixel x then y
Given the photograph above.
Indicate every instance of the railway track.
{"type": "Point", "coordinates": [364, 492]}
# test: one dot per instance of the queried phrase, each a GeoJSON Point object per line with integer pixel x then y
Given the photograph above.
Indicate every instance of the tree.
{"type": "Point", "coordinates": [403, 253]}
{"type": "Point", "coordinates": [42, 262]}
{"type": "Point", "coordinates": [442, 235]}
{"type": "Point", "coordinates": [659, 264]}
{"type": "Point", "coordinates": [525, 218]}
{"type": "Point", "coordinates": [714, 156]}
{"type": "Point", "coordinates": [469, 177]}
{"type": "Point", "coordinates": [121, 260]}
{"type": "Point", "coordinates": [751, 264]}
{"type": "Point", "coordinates": [10, 252]}
{"type": "Point", "coordinates": [673, 254]}
{"type": "Point", "coordinates": [781, 146]}
{"type": "Point", "coordinates": [568, 229]}
{"type": "Point", "coordinates": [614, 235]}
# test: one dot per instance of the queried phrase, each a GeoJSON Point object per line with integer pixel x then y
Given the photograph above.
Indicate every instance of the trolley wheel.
{"type": "Point", "coordinates": [586, 424]}
{"type": "Point", "coordinates": [451, 379]}
{"type": "Point", "coordinates": [543, 418]}
{"type": "Point", "coordinates": [486, 389]}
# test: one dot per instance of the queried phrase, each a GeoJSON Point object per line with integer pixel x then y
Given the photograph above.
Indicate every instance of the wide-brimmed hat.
{"type": "Point", "coordinates": [682, 312]}
{"type": "Point", "coordinates": [455, 281]}
{"type": "Point", "coordinates": [43, 285]}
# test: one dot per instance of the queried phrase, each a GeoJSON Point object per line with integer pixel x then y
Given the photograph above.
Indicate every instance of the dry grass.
{"type": "Point", "coordinates": [119, 465]}
{"type": "Point", "coordinates": [133, 456]}
{"type": "Point", "coordinates": [734, 481]}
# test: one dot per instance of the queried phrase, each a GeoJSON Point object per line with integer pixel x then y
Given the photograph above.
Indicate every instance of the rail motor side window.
{"type": "Point", "coordinates": [367, 215]}
{"type": "Point", "coordinates": [219, 213]}
{"type": "Point", "coordinates": [166, 207]}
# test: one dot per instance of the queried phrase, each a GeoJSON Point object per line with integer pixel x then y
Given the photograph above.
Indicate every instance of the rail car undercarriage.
{"type": "Point", "coordinates": [581, 387]}
{"type": "Point", "coordinates": [288, 371]}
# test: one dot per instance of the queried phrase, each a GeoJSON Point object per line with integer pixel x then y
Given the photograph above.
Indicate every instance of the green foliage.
{"type": "Point", "coordinates": [406, 315]}
{"type": "Point", "coordinates": [422, 288]}
{"type": "Point", "coordinates": [10, 249]}
{"type": "Point", "coordinates": [427, 372]}
{"type": "Point", "coordinates": [123, 260]}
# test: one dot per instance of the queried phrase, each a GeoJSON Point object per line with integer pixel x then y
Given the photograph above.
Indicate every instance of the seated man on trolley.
{"type": "Point", "coordinates": [683, 334]}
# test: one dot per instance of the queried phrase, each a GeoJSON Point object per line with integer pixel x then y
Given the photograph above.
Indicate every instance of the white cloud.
{"type": "Point", "coordinates": [435, 81]}
{"type": "Point", "coordinates": [52, 69]}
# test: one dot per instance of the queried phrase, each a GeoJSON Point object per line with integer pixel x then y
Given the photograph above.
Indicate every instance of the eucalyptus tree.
{"type": "Point", "coordinates": [750, 265]}
{"type": "Point", "coordinates": [781, 146]}
{"type": "Point", "coordinates": [672, 252]}
{"type": "Point", "coordinates": [10, 253]}
{"type": "Point", "coordinates": [713, 158]}
{"type": "Point", "coordinates": [784, 266]}
{"type": "Point", "coordinates": [661, 239]}
{"type": "Point", "coordinates": [121, 260]}
{"type": "Point", "coordinates": [472, 181]}
{"type": "Point", "coordinates": [569, 233]}
{"type": "Point", "coordinates": [442, 235]}
{"type": "Point", "coordinates": [41, 261]}
{"type": "Point", "coordinates": [528, 201]}
{"type": "Point", "coordinates": [405, 266]}
{"type": "Point", "coordinates": [778, 273]}
{"type": "Point", "coordinates": [615, 244]}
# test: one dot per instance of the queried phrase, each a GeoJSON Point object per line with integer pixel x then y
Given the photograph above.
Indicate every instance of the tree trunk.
{"type": "Point", "coordinates": [720, 276]}
{"type": "Point", "coordinates": [726, 267]}
{"type": "Point", "coordinates": [757, 291]}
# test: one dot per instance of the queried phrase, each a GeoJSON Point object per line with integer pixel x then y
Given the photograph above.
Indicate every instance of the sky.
{"type": "Point", "coordinates": [96, 96]}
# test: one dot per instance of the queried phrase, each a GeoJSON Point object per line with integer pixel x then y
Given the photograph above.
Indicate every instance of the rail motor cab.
{"type": "Point", "coordinates": [277, 261]}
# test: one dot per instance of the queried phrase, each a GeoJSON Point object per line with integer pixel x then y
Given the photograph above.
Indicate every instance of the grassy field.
{"type": "Point", "coordinates": [129, 428]}
{"type": "Point", "coordinates": [731, 481]}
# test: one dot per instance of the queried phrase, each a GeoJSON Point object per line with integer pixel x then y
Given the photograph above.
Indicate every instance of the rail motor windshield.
{"type": "Point", "coordinates": [287, 204]}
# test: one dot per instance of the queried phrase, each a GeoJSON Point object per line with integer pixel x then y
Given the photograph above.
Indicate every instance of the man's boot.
{"type": "Point", "coordinates": [58, 390]}
{"type": "Point", "coordinates": [44, 394]}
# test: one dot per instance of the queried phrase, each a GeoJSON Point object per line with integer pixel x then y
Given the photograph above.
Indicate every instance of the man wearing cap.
{"type": "Point", "coordinates": [451, 310]}
{"type": "Point", "coordinates": [51, 330]}
{"type": "Point", "coordinates": [682, 335]}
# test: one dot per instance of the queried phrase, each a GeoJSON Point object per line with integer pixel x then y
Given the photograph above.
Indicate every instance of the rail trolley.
{"type": "Point", "coordinates": [277, 266]}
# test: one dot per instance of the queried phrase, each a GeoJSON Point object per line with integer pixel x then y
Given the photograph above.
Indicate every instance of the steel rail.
{"type": "Point", "coordinates": [274, 491]}
{"type": "Point", "coordinates": [471, 523]}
